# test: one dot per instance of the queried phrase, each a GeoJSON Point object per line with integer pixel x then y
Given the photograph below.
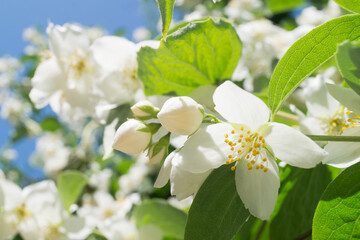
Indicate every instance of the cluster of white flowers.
{"type": "Point", "coordinates": [81, 71]}
{"type": "Point", "coordinates": [84, 74]}
{"type": "Point", "coordinates": [36, 212]}
{"type": "Point", "coordinates": [51, 153]}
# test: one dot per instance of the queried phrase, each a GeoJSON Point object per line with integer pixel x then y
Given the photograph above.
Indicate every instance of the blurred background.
{"type": "Point", "coordinates": [122, 17]}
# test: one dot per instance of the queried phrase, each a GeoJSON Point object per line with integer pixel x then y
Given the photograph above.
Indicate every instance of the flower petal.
{"type": "Point", "coordinates": [12, 195]}
{"type": "Point", "coordinates": [239, 106]}
{"type": "Point", "coordinates": [164, 174]}
{"type": "Point", "coordinates": [77, 227]}
{"type": "Point", "coordinates": [293, 147]}
{"type": "Point", "coordinates": [67, 39]}
{"type": "Point", "coordinates": [346, 96]}
{"type": "Point", "coordinates": [7, 228]}
{"type": "Point", "coordinates": [114, 53]}
{"type": "Point", "coordinates": [184, 184]}
{"type": "Point", "coordinates": [258, 189]}
{"type": "Point", "coordinates": [318, 100]}
{"type": "Point", "coordinates": [41, 196]}
{"type": "Point", "coordinates": [204, 150]}
{"type": "Point", "coordinates": [343, 154]}
{"type": "Point", "coordinates": [48, 79]}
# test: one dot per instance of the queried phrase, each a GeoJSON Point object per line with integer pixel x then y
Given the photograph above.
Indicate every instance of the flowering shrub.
{"type": "Point", "coordinates": [239, 122]}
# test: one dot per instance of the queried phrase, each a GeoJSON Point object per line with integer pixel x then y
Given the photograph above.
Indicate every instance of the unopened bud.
{"type": "Point", "coordinates": [181, 115]}
{"type": "Point", "coordinates": [132, 137]}
{"type": "Point", "coordinates": [158, 151]}
{"type": "Point", "coordinates": [144, 110]}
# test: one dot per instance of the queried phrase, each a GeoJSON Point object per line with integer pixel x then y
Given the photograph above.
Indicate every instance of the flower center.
{"type": "Point", "coordinates": [247, 146]}
{"type": "Point", "coordinates": [78, 64]}
{"type": "Point", "coordinates": [352, 121]}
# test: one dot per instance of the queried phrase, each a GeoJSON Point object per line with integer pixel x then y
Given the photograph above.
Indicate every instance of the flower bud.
{"type": "Point", "coordinates": [181, 115]}
{"type": "Point", "coordinates": [132, 137]}
{"type": "Point", "coordinates": [158, 151]}
{"type": "Point", "coordinates": [144, 110]}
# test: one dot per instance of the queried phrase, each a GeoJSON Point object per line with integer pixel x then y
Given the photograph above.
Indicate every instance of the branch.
{"type": "Point", "coordinates": [334, 138]}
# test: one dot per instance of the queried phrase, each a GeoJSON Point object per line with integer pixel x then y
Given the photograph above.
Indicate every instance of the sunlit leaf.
{"type": "Point", "coordinates": [348, 61]}
{"type": "Point", "coordinates": [351, 5]}
{"type": "Point", "coordinates": [70, 186]}
{"type": "Point", "coordinates": [166, 10]}
{"type": "Point", "coordinates": [162, 215]}
{"type": "Point", "coordinates": [217, 211]}
{"type": "Point", "coordinates": [201, 53]}
{"type": "Point", "coordinates": [278, 6]}
{"type": "Point", "coordinates": [307, 54]}
{"type": "Point", "coordinates": [338, 213]}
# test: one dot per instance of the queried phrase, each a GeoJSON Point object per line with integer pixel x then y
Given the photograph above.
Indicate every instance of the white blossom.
{"type": "Point", "coordinates": [250, 144]}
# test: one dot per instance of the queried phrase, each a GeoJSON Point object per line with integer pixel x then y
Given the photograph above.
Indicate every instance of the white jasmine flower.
{"type": "Point", "coordinates": [315, 17]}
{"type": "Point", "coordinates": [141, 34]}
{"type": "Point", "coordinates": [14, 109]}
{"type": "Point", "coordinates": [181, 115]}
{"type": "Point", "coordinates": [123, 229]}
{"type": "Point", "coordinates": [144, 110]}
{"type": "Point", "coordinates": [132, 137]}
{"type": "Point", "coordinates": [345, 154]}
{"type": "Point", "coordinates": [80, 75]}
{"type": "Point", "coordinates": [250, 144]}
{"type": "Point", "coordinates": [258, 50]}
{"type": "Point", "coordinates": [10, 154]}
{"type": "Point", "coordinates": [36, 212]}
{"type": "Point", "coordinates": [135, 179]}
{"type": "Point", "coordinates": [51, 153]}
{"type": "Point", "coordinates": [243, 9]}
{"type": "Point", "coordinates": [324, 114]}
{"type": "Point", "coordinates": [100, 179]}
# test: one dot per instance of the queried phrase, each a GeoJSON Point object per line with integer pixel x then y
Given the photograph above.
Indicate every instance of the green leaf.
{"type": "Point", "coordinates": [348, 61]}
{"type": "Point", "coordinates": [166, 8]}
{"type": "Point", "coordinates": [70, 185]}
{"type": "Point", "coordinates": [351, 5]}
{"type": "Point", "coordinates": [338, 213]}
{"type": "Point", "coordinates": [278, 6]}
{"type": "Point", "coordinates": [217, 211]}
{"type": "Point", "coordinates": [50, 124]}
{"type": "Point", "coordinates": [201, 53]}
{"type": "Point", "coordinates": [160, 214]}
{"type": "Point", "coordinates": [307, 54]}
{"type": "Point", "coordinates": [300, 192]}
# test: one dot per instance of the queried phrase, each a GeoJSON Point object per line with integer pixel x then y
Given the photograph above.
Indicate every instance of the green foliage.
{"type": "Point", "coordinates": [160, 214]}
{"type": "Point", "coordinates": [201, 53]}
{"type": "Point", "coordinates": [50, 124]}
{"type": "Point", "coordinates": [348, 61]}
{"type": "Point", "coordinates": [338, 213]}
{"type": "Point", "coordinates": [351, 5]}
{"type": "Point", "coordinates": [278, 6]}
{"type": "Point", "coordinates": [307, 54]}
{"type": "Point", "coordinates": [300, 192]}
{"type": "Point", "coordinates": [70, 185]}
{"type": "Point", "coordinates": [217, 211]}
{"type": "Point", "coordinates": [166, 8]}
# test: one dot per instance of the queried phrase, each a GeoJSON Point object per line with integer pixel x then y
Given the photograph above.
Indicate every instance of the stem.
{"type": "Point", "coordinates": [288, 116]}
{"type": "Point", "coordinates": [334, 138]}
{"type": "Point", "coordinates": [213, 120]}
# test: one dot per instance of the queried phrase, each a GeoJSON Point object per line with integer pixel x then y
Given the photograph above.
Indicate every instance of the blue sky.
{"type": "Point", "coordinates": [16, 15]}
